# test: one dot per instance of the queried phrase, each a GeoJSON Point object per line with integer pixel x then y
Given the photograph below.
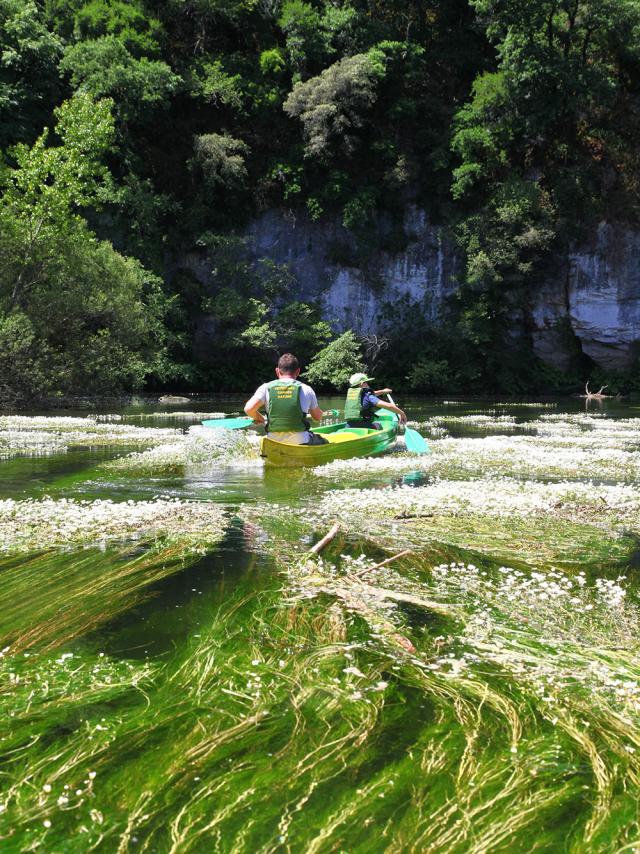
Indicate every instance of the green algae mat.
{"type": "Point", "coordinates": [456, 670]}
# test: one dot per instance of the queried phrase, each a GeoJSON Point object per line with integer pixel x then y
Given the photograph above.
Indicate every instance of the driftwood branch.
{"type": "Point", "coordinates": [382, 563]}
{"type": "Point", "coordinates": [409, 599]}
{"type": "Point", "coordinates": [314, 550]}
{"type": "Point", "coordinates": [595, 395]}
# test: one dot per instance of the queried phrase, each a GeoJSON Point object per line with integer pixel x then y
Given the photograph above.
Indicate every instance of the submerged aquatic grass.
{"type": "Point", "coordinates": [243, 740]}
{"type": "Point", "coordinates": [480, 693]}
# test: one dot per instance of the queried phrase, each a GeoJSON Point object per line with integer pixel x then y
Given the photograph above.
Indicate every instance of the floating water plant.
{"type": "Point", "coordinates": [178, 416]}
{"type": "Point", "coordinates": [199, 448]}
{"type": "Point", "coordinates": [495, 497]}
{"type": "Point", "coordinates": [31, 524]}
{"type": "Point", "coordinates": [563, 449]}
{"type": "Point", "coordinates": [22, 435]}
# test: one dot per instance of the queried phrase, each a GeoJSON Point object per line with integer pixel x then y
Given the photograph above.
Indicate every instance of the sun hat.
{"type": "Point", "coordinates": [358, 379]}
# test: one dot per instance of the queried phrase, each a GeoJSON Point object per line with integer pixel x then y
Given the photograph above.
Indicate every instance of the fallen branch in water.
{"type": "Point", "coordinates": [407, 514]}
{"type": "Point", "coordinates": [382, 563]}
{"type": "Point", "coordinates": [595, 395]}
{"type": "Point", "coordinates": [314, 550]}
{"type": "Point", "coordinates": [351, 598]}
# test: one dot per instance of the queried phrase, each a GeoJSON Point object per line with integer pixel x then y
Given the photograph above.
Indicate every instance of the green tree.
{"type": "Point", "coordinates": [215, 86]}
{"type": "Point", "coordinates": [43, 195]}
{"type": "Point", "coordinates": [87, 317]}
{"type": "Point", "coordinates": [335, 363]}
{"type": "Point", "coordinates": [105, 68]}
{"type": "Point", "coordinates": [300, 23]}
{"type": "Point", "coordinates": [333, 106]}
{"type": "Point", "coordinates": [140, 33]}
{"type": "Point", "coordinates": [29, 83]}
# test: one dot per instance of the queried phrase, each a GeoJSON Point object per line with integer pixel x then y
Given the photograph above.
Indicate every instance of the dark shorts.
{"type": "Point", "coordinates": [315, 439]}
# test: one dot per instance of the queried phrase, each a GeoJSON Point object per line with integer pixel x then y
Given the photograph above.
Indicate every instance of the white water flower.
{"type": "Point", "coordinates": [40, 435]}
{"type": "Point", "coordinates": [199, 449]}
{"type": "Point", "coordinates": [562, 446]}
{"type": "Point", "coordinates": [30, 524]}
{"type": "Point", "coordinates": [178, 416]}
{"type": "Point", "coordinates": [354, 671]}
{"type": "Point", "coordinates": [503, 497]}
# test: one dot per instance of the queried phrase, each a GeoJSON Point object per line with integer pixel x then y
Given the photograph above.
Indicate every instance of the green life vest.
{"type": "Point", "coordinates": [353, 409]}
{"type": "Point", "coordinates": [284, 413]}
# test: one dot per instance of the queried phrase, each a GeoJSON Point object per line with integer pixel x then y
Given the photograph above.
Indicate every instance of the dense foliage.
{"type": "Point", "coordinates": [163, 127]}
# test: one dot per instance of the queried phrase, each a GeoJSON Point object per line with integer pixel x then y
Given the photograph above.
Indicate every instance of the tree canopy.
{"type": "Point", "coordinates": [140, 138]}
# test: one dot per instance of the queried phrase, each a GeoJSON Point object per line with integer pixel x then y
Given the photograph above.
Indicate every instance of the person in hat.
{"type": "Point", "coordinates": [362, 402]}
{"type": "Point", "coordinates": [288, 404]}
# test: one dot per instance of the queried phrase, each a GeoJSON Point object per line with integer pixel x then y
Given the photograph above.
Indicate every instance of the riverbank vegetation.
{"type": "Point", "coordinates": [138, 140]}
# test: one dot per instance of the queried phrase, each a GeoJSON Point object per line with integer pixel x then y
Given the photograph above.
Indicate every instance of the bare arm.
{"type": "Point", "coordinates": [399, 412]}
{"type": "Point", "coordinates": [252, 408]}
{"type": "Point", "coordinates": [316, 413]}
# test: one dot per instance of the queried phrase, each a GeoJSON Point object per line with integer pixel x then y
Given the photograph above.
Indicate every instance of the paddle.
{"type": "Point", "coordinates": [241, 423]}
{"type": "Point", "coordinates": [412, 439]}
{"type": "Point", "coordinates": [228, 423]}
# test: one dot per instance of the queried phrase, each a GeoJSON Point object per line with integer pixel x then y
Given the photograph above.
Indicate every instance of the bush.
{"type": "Point", "coordinates": [335, 363]}
{"type": "Point", "coordinates": [25, 362]}
{"type": "Point", "coordinates": [430, 375]}
{"type": "Point", "coordinates": [220, 159]}
{"type": "Point", "coordinates": [334, 104]}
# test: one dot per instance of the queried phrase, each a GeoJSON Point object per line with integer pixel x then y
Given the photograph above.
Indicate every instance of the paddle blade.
{"type": "Point", "coordinates": [228, 423]}
{"type": "Point", "coordinates": [415, 443]}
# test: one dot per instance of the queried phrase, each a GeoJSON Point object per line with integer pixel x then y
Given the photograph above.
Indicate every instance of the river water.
{"type": "Point", "coordinates": [198, 685]}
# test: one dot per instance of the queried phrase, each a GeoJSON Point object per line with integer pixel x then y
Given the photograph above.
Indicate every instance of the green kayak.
{"type": "Point", "coordinates": [343, 443]}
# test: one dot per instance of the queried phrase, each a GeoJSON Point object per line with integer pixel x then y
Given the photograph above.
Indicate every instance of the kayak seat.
{"type": "Point", "coordinates": [348, 435]}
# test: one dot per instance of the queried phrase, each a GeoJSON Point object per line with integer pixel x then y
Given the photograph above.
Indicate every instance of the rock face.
{"type": "Point", "coordinates": [352, 297]}
{"type": "Point", "coordinates": [589, 299]}
{"type": "Point", "coordinates": [355, 288]}
{"type": "Point", "coordinates": [595, 294]}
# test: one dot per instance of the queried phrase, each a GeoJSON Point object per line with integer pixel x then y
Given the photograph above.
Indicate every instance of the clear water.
{"type": "Point", "coordinates": [160, 700]}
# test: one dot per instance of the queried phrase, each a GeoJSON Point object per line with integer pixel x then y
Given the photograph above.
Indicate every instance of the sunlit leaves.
{"type": "Point", "coordinates": [128, 21]}
{"type": "Point", "coordinates": [334, 105]}
{"type": "Point", "coordinates": [216, 86]}
{"type": "Point", "coordinates": [336, 362]}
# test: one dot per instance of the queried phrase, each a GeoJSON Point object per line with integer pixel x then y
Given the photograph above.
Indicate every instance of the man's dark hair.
{"type": "Point", "coordinates": [288, 364]}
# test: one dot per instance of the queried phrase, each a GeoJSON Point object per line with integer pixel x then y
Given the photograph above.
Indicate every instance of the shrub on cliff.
{"type": "Point", "coordinates": [333, 106]}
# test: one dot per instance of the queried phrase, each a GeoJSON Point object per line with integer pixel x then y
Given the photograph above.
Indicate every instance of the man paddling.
{"type": "Point", "coordinates": [362, 402]}
{"type": "Point", "coordinates": [288, 403]}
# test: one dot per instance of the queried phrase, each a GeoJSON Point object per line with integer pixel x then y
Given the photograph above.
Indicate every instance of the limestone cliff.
{"type": "Point", "coordinates": [595, 294]}
{"type": "Point", "coordinates": [592, 293]}
{"type": "Point", "coordinates": [353, 296]}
